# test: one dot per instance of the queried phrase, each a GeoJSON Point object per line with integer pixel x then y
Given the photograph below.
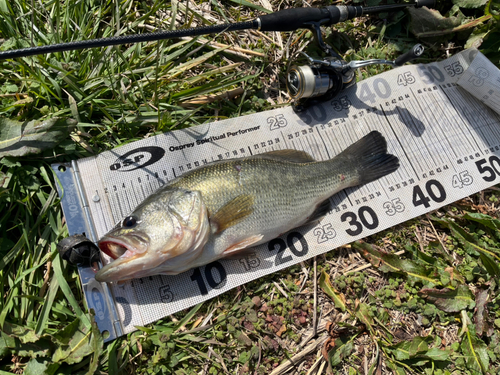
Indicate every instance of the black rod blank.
{"type": "Point", "coordinates": [283, 20]}
{"type": "Point", "coordinates": [127, 39]}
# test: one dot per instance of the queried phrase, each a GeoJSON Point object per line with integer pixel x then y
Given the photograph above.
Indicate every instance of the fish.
{"type": "Point", "coordinates": [223, 208]}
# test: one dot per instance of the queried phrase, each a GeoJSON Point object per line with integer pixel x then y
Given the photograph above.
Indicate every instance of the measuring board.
{"type": "Point", "coordinates": [442, 120]}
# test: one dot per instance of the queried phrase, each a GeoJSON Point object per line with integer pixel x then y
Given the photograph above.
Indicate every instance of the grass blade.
{"type": "Point", "coordinates": [338, 298]}
{"type": "Point", "coordinates": [44, 316]}
{"type": "Point", "coordinates": [14, 252]}
{"type": "Point", "coordinates": [63, 284]}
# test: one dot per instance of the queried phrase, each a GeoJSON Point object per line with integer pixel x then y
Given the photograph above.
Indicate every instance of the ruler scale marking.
{"type": "Point", "coordinates": [426, 143]}
{"type": "Point", "coordinates": [316, 134]}
{"type": "Point", "coordinates": [426, 138]}
{"type": "Point", "coordinates": [454, 126]}
{"type": "Point", "coordinates": [394, 147]}
{"type": "Point", "coordinates": [401, 147]}
{"type": "Point", "coordinates": [403, 135]}
{"type": "Point", "coordinates": [462, 102]}
{"type": "Point", "coordinates": [129, 206]}
{"type": "Point", "coordinates": [469, 129]}
{"type": "Point", "coordinates": [448, 128]}
{"type": "Point", "coordinates": [434, 130]}
{"type": "Point", "coordinates": [481, 125]}
{"type": "Point", "coordinates": [494, 130]}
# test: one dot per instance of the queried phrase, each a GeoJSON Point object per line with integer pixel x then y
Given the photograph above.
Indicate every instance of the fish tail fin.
{"type": "Point", "coordinates": [371, 158]}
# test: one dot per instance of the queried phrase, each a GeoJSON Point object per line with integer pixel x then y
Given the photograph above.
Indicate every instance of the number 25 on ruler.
{"type": "Point", "coordinates": [276, 122]}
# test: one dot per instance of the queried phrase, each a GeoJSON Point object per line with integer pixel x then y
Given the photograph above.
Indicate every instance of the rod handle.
{"type": "Point", "coordinates": [415, 52]}
{"type": "Point", "coordinates": [302, 18]}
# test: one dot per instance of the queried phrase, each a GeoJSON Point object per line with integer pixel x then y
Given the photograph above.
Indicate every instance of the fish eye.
{"type": "Point", "coordinates": [129, 222]}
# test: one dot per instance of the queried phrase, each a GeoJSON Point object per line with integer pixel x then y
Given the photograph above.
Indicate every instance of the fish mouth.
{"type": "Point", "coordinates": [122, 251]}
{"type": "Point", "coordinates": [113, 247]}
{"type": "Point", "coordinates": [125, 247]}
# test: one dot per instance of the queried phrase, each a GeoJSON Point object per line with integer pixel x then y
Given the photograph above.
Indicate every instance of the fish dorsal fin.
{"type": "Point", "coordinates": [232, 212]}
{"type": "Point", "coordinates": [293, 156]}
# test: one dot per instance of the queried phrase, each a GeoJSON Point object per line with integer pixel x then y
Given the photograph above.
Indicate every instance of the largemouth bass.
{"type": "Point", "coordinates": [223, 208]}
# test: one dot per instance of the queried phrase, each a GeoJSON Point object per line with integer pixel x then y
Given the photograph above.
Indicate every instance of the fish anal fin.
{"type": "Point", "coordinates": [293, 156]}
{"type": "Point", "coordinates": [232, 212]}
{"type": "Point", "coordinates": [241, 246]}
{"type": "Point", "coordinates": [320, 212]}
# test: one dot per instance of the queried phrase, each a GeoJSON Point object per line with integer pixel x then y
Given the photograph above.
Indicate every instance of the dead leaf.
{"type": "Point", "coordinates": [378, 370]}
{"type": "Point", "coordinates": [326, 286]}
{"type": "Point", "coordinates": [363, 314]}
{"type": "Point", "coordinates": [276, 324]}
{"type": "Point", "coordinates": [329, 345]}
{"type": "Point", "coordinates": [387, 262]}
{"type": "Point", "coordinates": [481, 312]}
{"type": "Point", "coordinates": [450, 300]}
{"type": "Point", "coordinates": [281, 330]}
{"type": "Point", "coordinates": [424, 20]}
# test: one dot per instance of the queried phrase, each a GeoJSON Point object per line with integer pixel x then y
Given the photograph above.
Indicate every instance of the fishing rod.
{"type": "Point", "coordinates": [321, 79]}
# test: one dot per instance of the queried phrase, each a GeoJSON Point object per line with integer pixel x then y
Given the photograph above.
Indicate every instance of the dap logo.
{"type": "Point", "coordinates": [138, 158]}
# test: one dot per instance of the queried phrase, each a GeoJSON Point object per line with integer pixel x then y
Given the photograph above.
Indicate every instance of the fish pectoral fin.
{"type": "Point", "coordinates": [232, 212]}
{"type": "Point", "coordinates": [293, 156]}
{"type": "Point", "coordinates": [242, 245]}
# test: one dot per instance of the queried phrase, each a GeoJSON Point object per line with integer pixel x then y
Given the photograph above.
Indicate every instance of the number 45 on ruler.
{"type": "Point", "coordinates": [462, 179]}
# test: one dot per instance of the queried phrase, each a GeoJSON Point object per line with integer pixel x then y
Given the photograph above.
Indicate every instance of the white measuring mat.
{"type": "Point", "coordinates": [442, 120]}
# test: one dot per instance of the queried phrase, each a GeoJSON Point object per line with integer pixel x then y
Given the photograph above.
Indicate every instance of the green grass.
{"type": "Point", "coordinates": [384, 319]}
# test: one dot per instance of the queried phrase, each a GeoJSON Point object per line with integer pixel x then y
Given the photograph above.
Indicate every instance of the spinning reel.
{"type": "Point", "coordinates": [322, 80]}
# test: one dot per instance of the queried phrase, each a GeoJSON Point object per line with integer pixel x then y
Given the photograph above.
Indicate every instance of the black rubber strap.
{"type": "Point", "coordinates": [292, 19]}
{"type": "Point", "coordinates": [78, 250]}
{"type": "Point", "coordinates": [425, 3]}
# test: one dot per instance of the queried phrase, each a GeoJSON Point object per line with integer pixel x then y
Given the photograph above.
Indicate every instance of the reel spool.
{"type": "Point", "coordinates": [308, 81]}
